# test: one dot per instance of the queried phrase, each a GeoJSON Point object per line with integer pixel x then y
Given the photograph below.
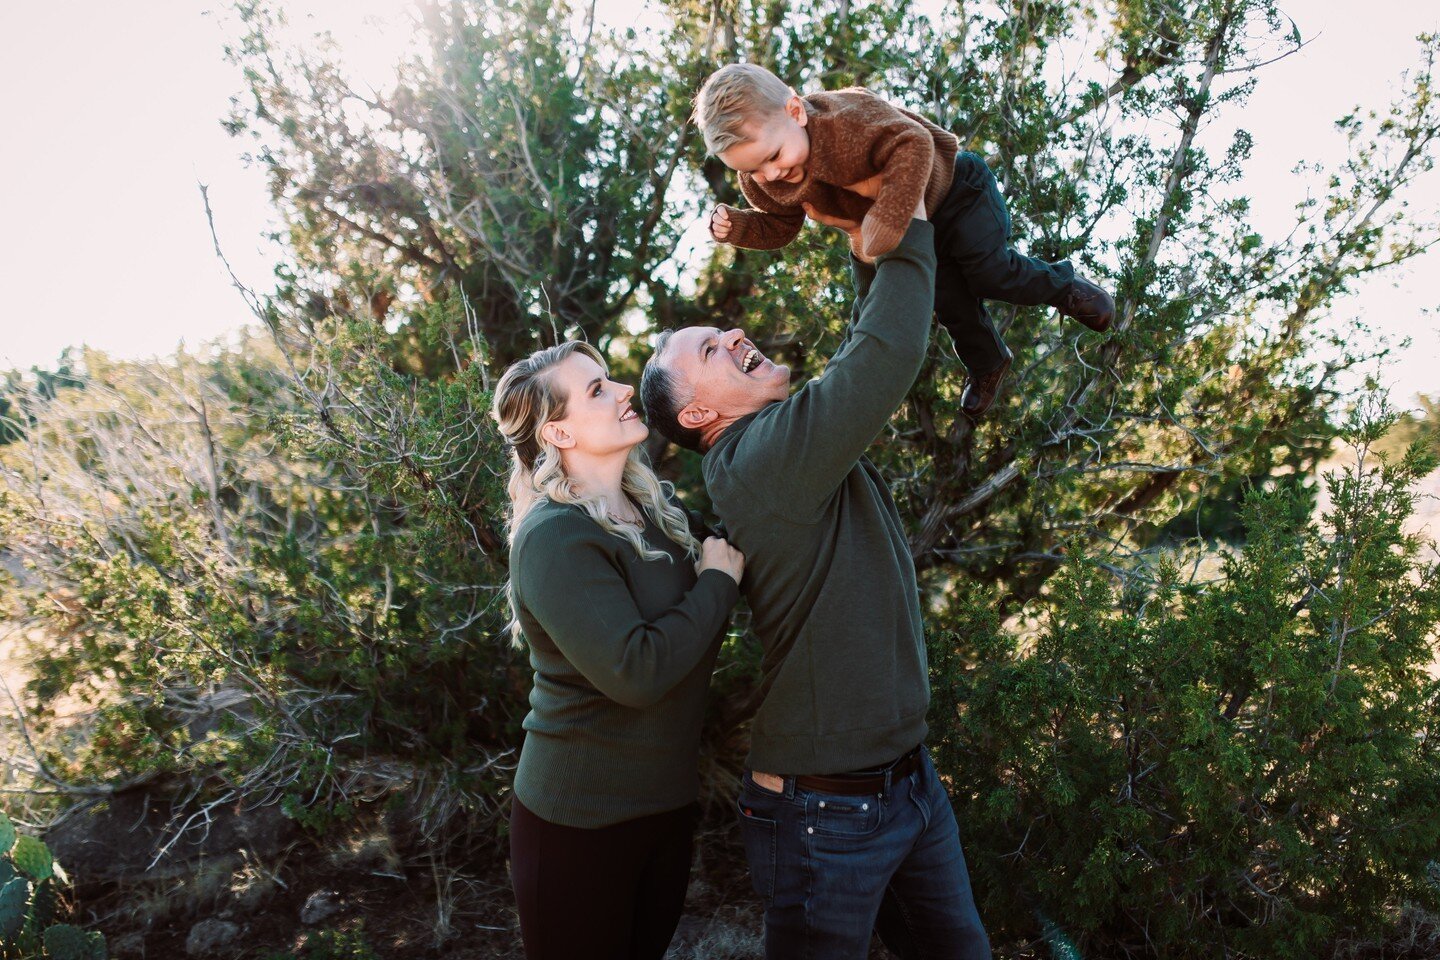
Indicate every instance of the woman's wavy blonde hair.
{"type": "Point", "coordinates": [525, 400]}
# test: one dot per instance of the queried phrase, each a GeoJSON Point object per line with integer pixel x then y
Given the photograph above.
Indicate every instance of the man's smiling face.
{"type": "Point", "coordinates": [730, 377]}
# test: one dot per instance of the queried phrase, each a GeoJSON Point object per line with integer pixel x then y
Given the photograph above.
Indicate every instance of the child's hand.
{"type": "Point", "coordinates": [719, 223]}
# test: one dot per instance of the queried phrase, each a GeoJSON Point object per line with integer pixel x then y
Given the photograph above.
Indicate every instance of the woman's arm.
{"type": "Point", "coordinates": [566, 579]}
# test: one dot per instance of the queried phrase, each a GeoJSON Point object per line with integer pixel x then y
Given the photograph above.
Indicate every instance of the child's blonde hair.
{"type": "Point", "coordinates": [731, 97]}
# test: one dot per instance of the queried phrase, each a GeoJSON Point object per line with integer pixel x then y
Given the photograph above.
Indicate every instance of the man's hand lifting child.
{"type": "Point", "coordinates": [852, 227]}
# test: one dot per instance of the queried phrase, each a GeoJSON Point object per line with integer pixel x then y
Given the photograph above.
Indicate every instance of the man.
{"type": "Point", "coordinates": [846, 826]}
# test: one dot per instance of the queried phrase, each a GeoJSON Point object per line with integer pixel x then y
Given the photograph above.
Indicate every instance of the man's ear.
{"type": "Point", "coordinates": [557, 435]}
{"type": "Point", "coordinates": [695, 417]}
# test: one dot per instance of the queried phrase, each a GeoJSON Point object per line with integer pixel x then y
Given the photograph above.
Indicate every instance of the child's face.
{"type": "Point", "coordinates": [778, 148]}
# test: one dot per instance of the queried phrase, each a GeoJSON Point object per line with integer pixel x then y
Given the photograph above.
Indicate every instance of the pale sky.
{"type": "Point", "coordinates": [114, 113]}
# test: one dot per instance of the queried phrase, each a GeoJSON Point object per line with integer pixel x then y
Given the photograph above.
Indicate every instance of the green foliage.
{"type": "Point", "coordinates": [1243, 766]}
{"type": "Point", "coordinates": [44, 903]}
{"type": "Point", "coordinates": [14, 902]}
{"type": "Point", "coordinates": [15, 416]}
{"type": "Point", "coordinates": [32, 857]}
{"type": "Point", "coordinates": [515, 179]}
{"type": "Point", "coordinates": [311, 606]}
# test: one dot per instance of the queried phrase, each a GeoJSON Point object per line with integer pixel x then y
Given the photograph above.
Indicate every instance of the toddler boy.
{"type": "Point", "coordinates": [849, 155]}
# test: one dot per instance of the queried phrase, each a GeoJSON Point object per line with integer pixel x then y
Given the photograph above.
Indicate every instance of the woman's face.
{"type": "Point", "coordinates": [598, 417]}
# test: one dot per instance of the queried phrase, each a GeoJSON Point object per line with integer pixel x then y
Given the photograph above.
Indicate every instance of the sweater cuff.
{"type": "Point", "coordinates": [919, 238]}
{"type": "Point", "coordinates": [879, 236]}
{"type": "Point", "coordinates": [726, 589]}
{"type": "Point", "coordinates": [857, 248]}
{"type": "Point", "coordinates": [739, 227]}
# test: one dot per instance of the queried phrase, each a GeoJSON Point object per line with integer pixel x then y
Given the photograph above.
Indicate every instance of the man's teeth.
{"type": "Point", "coordinates": [751, 361]}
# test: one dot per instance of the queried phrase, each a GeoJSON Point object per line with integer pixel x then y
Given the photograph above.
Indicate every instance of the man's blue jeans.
{"type": "Point", "coordinates": [831, 868]}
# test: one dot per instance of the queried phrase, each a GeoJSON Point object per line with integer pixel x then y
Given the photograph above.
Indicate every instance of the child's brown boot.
{"type": "Point", "coordinates": [980, 391]}
{"type": "Point", "coordinates": [1087, 303]}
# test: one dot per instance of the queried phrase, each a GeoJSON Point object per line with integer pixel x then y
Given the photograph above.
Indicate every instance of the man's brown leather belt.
{"type": "Point", "coordinates": [864, 782]}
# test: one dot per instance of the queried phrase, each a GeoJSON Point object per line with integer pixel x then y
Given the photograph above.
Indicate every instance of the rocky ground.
{"type": "Point", "coordinates": [280, 906]}
{"type": "Point", "coordinates": [223, 899]}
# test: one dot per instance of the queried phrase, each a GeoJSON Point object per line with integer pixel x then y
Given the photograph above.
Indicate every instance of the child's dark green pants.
{"type": "Point", "coordinates": [975, 263]}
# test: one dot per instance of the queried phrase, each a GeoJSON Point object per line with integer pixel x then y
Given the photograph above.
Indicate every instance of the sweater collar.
{"type": "Point", "coordinates": [821, 128]}
{"type": "Point", "coordinates": [733, 431]}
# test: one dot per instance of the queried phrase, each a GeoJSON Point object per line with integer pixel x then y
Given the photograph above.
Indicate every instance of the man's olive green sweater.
{"type": "Point", "coordinates": [828, 571]}
{"type": "Point", "coordinates": [623, 649]}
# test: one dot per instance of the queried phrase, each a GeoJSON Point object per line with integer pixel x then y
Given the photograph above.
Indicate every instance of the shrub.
{"type": "Point", "coordinates": [254, 620]}
{"type": "Point", "coordinates": [1245, 767]}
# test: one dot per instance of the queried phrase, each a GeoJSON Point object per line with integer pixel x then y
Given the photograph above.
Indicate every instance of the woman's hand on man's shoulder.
{"type": "Point", "coordinates": [718, 554]}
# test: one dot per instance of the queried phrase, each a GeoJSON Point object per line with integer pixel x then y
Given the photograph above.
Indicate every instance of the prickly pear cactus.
{"type": "Point", "coordinates": [14, 905]}
{"type": "Point", "coordinates": [43, 904]}
{"type": "Point", "coordinates": [32, 857]}
{"type": "Point", "coordinates": [64, 942]}
{"type": "Point", "coordinates": [25, 919]}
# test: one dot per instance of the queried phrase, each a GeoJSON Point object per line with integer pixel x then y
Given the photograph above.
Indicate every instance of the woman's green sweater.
{"type": "Point", "coordinates": [623, 649]}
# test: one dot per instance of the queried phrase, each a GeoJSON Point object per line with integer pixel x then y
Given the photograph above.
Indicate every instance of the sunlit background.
{"type": "Point", "coordinates": [113, 121]}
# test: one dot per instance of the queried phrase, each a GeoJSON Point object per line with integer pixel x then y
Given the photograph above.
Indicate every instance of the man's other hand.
{"type": "Point", "coordinates": [851, 227]}
{"type": "Point", "coordinates": [868, 188]}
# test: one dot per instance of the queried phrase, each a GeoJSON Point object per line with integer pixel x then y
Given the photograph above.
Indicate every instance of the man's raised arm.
{"type": "Point", "coordinates": [822, 431]}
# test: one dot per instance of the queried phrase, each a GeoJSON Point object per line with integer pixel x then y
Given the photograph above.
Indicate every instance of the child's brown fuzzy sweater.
{"type": "Point", "coordinates": [854, 135]}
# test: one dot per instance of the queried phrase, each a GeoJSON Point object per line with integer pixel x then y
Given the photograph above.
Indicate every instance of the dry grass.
{"type": "Point", "coordinates": [1415, 936]}
{"type": "Point", "coordinates": [732, 934]}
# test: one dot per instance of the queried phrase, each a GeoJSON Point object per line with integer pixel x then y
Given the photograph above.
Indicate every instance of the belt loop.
{"type": "Point", "coordinates": [885, 790]}
{"type": "Point", "coordinates": [789, 787]}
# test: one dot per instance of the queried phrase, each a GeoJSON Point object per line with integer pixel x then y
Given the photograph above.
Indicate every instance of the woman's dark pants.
{"type": "Point", "coordinates": [975, 263]}
{"type": "Point", "coordinates": [612, 893]}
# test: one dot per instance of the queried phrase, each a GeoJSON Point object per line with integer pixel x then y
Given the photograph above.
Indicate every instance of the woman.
{"type": "Point", "coordinates": [623, 627]}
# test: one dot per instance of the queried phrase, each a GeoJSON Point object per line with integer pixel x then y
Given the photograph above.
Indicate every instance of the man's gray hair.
{"type": "Point", "coordinates": [663, 397]}
{"type": "Point", "coordinates": [734, 95]}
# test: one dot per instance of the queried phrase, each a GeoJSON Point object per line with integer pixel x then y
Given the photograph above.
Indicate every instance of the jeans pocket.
{"type": "Point", "coordinates": [842, 816]}
{"type": "Point", "coordinates": [758, 835]}
{"type": "Point", "coordinates": [748, 784]}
